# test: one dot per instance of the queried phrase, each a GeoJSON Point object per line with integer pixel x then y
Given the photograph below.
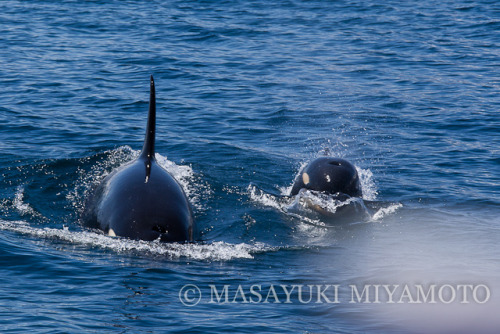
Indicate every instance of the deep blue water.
{"type": "Point", "coordinates": [248, 92]}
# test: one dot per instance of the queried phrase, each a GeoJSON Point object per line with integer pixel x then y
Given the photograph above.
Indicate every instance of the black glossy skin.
{"type": "Point", "coordinates": [329, 175]}
{"type": "Point", "coordinates": [141, 200]}
{"type": "Point", "coordinates": [135, 209]}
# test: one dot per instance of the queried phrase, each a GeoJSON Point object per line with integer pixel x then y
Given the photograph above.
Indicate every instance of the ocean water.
{"type": "Point", "coordinates": [247, 93]}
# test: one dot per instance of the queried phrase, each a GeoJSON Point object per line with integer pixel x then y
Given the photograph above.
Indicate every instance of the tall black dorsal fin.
{"type": "Point", "coordinates": [148, 150]}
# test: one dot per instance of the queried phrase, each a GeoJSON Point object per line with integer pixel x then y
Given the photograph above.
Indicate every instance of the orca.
{"type": "Point", "coordinates": [333, 182]}
{"type": "Point", "coordinates": [326, 189]}
{"type": "Point", "coordinates": [141, 200]}
{"type": "Point", "coordinates": [329, 175]}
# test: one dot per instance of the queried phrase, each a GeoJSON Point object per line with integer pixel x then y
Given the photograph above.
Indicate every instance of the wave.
{"type": "Point", "coordinates": [214, 251]}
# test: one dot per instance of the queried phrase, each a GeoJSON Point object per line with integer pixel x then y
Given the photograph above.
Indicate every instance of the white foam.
{"type": "Point", "coordinates": [215, 251]}
{"type": "Point", "coordinates": [383, 212]}
{"type": "Point", "coordinates": [308, 198]}
{"type": "Point", "coordinates": [263, 198]}
{"type": "Point", "coordinates": [193, 185]}
{"type": "Point", "coordinates": [21, 206]}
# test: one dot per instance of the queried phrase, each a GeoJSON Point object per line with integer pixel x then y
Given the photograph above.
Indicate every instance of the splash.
{"type": "Point", "coordinates": [266, 199]}
{"type": "Point", "coordinates": [215, 251]}
{"type": "Point", "coordinates": [19, 204]}
{"type": "Point", "coordinates": [383, 212]}
{"type": "Point", "coordinates": [307, 199]}
{"type": "Point", "coordinates": [193, 185]}
{"type": "Point", "coordinates": [367, 184]}
{"type": "Point", "coordinates": [101, 168]}
{"type": "Point", "coordinates": [23, 208]}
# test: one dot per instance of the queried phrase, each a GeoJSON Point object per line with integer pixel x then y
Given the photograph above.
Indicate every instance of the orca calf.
{"type": "Point", "coordinates": [141, 200]}
{"type": "Point", "coordinates": [329, 175]}
{"type": "Point", "coordinates": [326, 189]}
{"type": "Point", "coordinates": [329, 189]}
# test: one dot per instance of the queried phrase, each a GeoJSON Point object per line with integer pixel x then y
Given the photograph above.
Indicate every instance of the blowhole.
{"type": "Point", "coordinates": [335, 163]}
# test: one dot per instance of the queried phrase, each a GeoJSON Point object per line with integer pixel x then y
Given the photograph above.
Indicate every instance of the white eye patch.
{"type": "Point", "coordinates": [305, 178]}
